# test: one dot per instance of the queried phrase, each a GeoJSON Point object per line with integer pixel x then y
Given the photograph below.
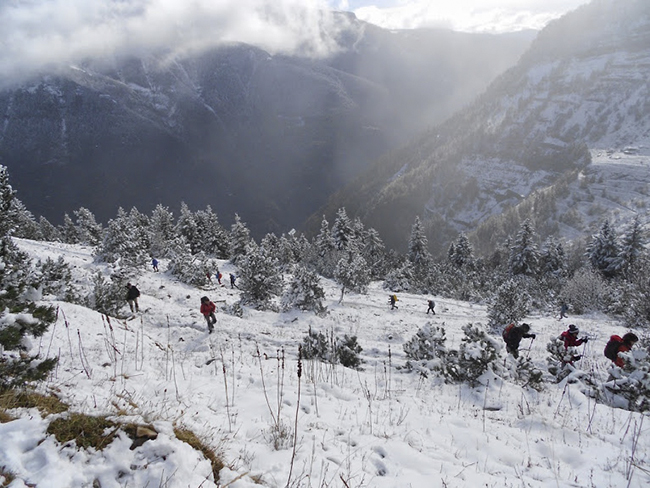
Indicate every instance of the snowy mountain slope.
{"type": "Point", "coordinates": [581, 89]}
{"type": "Point", "coordinates": [269, 137]}
{"type": "Point", "coordinates": [378, 427]}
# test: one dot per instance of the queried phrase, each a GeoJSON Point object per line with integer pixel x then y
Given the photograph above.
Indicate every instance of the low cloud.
{"type": "Point", "coordinates": [493, 16]}
{"type": "Point", "coordinates": [41, 35]}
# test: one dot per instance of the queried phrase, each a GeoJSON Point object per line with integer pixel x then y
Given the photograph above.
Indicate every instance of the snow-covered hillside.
{"type": "Point", "coordinates": [377, 427]}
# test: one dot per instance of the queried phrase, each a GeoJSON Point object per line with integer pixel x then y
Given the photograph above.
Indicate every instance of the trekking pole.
{"type": "Point", "coordinates": [532, 339]}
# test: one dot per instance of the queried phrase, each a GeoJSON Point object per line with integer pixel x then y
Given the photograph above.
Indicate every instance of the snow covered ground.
{"type": "Point", "coordinates": [379, 427]}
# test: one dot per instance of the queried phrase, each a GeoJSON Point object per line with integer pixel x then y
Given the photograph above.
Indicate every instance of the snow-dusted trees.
{"type": "Point", "coordinates": [632, 245]}
{"type": "Point", "coordinates": [260, 280]}
{"type": "Point", "coordinates": [324, 250]}
{"type": "Point", "coordinates": [89, 232]}
{"type": "Point", "coordinates": [352, 271]}
{"type": "Point", "coordinates": [123, 240]}
{"type": "Point", "coordinates": [240, 238]}
{"type": "Point", "coordinates": [305, 292]}
{"type": "Point", "coordinates": [20, 317]}
{"type": "Point", "coordinates": [418, 254]}
{"type": "Point", "coordinates": [212, 237]}
{"type": "Point", "coordinates": [342, 232]}
{"type": "Point", "coordinates": [187, 228]}
{"type": "Point", "coordinates": [524, 257]}
{"type": "Point", "coordinates": [509, 304]}
{"type": "Point", "coordinates": [161, 231]}
{"type": "Point", "coordinates": [603, 252]}
{"type": "Point", "coordinates": [68, 230]}
{"type": "Point", "coordinates": [373, 253]}
{"type": "Point", "coordinates": [460, 252]}
{"type": "Point", "coordinates": [48, 231]}
{"type": "Point", "coordinates": [552, 258]}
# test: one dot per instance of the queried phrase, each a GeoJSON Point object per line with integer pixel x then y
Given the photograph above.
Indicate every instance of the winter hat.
{"type": "Point", "coordinates": [525, 327]}
{"type": "Point", "coordinates": [205, 299]}
{"type": "Point", "coordinates": [573, 329]}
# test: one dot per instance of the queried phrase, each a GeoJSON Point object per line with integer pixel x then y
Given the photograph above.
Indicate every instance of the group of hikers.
{"type": "Point", "coordinates": [513, 334]}
{"type": "Point", "coordinates": [392, 300]}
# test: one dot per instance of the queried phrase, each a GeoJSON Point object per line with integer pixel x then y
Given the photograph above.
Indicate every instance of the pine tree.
{"type": "Point", "coordinates": [161, 231]}
{"type": "Point", "coordinates": [7, 194]}
{"type": "Point", "coordinates": [552, 258]}
{"type": "Point", "coordinates": [68, 231]}
{"type": "Point", "coordinates": [19, 316]}
{"type": "Point", "coordinates": [240, 239]}
{"type": "Point", "coordinates": [632, 245]}
{"type": "Point", "coordinates": [342, 232]}
{"type": "Point", "coordinates": [122, 242]}
{"type": "Point", "coordinates": [187, 228]}
{"type": "Point", "coordinates": [352, 273]}
{"type": "Point", "coordinates": [89, 232]}
{"type": "Point", "coordinates": [603, 252]}
{"type": "Point", "coordinates": [324, 250]}
{"type": "Point", "coordinates": [48, 231]}
{"type": "Point", "coordinates": [304, 292]}
{"type": "Point", "coordinates": [524, 257]}
{"type": "Point", "coordinates": [26, 225]}
{"type": "Point", "coordinates": [461, 253]}
{"type": "Point", "coordinates": [509, 305]}
{"type": "Point", "coordinates": [418, 248]}
{"type": "Point", "coordinates": [260, 280]}
{"type": "Point", "coordinates": [214, 238]}
{"type": "Point", "coordinates": [373, 253]}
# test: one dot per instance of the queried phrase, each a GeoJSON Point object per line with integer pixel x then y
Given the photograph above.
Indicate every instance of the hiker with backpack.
{"type": "Point", "coordinates": [232, 281]}
{"type": "Point", "coordinates": [392, 299]}
{"type": "Point", "coordinates": [132, 295]}
{"type": "Point", "coordinates": [617, 345]}
{"type": "Point", "coordinates": [432, 304]}
{"type": "Point", "coordinates": [207, 309]}
{"type": "Point", "coordinates": [512, 336]}
{"type": "Point", "coordinates": [564, 308]}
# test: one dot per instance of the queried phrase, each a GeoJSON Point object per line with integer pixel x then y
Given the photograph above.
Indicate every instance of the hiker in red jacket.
{"type": "Point", "coordinates": [570, 337]}
{"type": "Point", "coordinates": [207, 309]}
{"type": "Point", "coordinates": [618, 344]}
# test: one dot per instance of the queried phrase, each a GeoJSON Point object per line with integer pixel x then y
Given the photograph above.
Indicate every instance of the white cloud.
{"type": "Point", "coordinates": [44, 34]}
{"type": "Point", "coordinates": [467, 15]}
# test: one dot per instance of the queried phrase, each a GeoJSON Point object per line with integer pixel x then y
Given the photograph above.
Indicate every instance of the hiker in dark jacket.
{"type": "Point", "coordinates": [207, 309]}
{"type": "Point", "coordinates": [432, 304]}
{"type": "Point", "coordinates": [132, 295]}
{"type": "Point", "coordinates": [514, 336]}
{"type": "Point", "coordinates": [232, 281]}
{"type": "Point", "coordinates": [392, 300]}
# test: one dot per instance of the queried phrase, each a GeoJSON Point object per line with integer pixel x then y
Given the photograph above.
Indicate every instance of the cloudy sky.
{"type": "Point", "coordinates": [465, 15]}
{"type": "Point", "coordinates": [40, 35]}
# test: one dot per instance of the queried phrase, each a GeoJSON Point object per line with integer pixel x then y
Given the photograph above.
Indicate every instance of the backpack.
{"type": "Point", "coordinates": [506, 332]}
{"type": "Point", "coordinates": [612, 347]}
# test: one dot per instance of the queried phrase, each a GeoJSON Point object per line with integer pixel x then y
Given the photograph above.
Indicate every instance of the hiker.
{"type": "Point", "coordinates": [432, 304]}
{"type": "Point", "coordinates": [232, 281]}
{"type": "Point", "coordinates": [154, 264]}
{"type": "Point", "coordinates": [132, 295]}
{"type": "Point", "coordinates": [513, 334]}
{"type": "Point", "coordinates": [218, 275]}
{"type": "Point", "coordinates": [207, 309]}
{"type": "Point", "coordinates": [570, 337]}
{"type": "Point", "coordinates": [619, 344]}
{"type": "Point", "coordinates": [563, 310]}
{"type": "Point", "coordinates": [392, 299]}
{"type": "Point", "coordinates": [208, 275]}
